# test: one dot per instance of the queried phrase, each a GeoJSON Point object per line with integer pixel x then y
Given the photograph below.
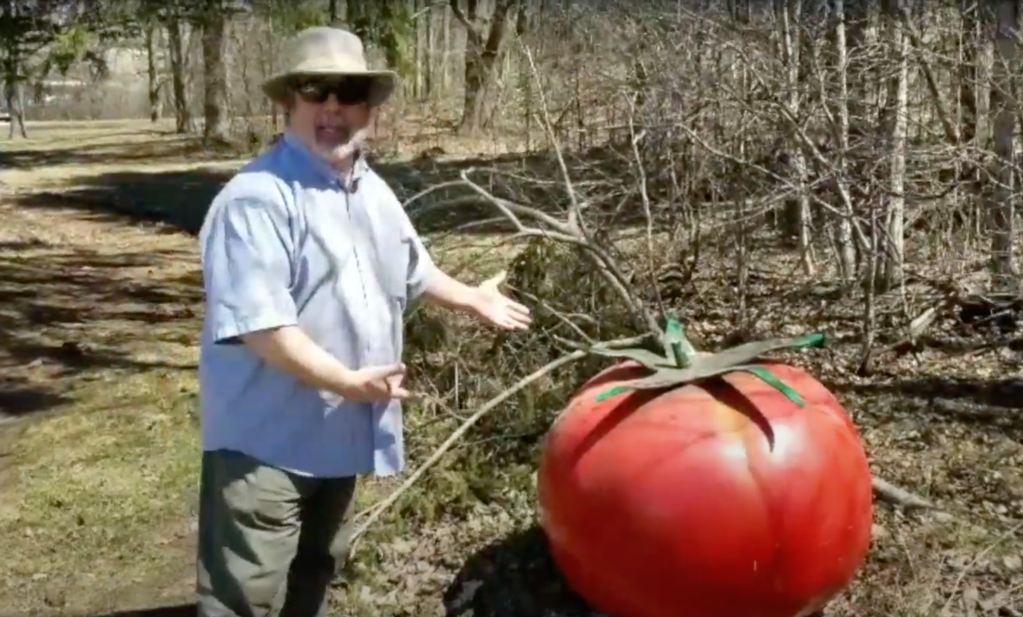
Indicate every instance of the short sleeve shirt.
{"type": "Point", "coordinates": [286, 243]}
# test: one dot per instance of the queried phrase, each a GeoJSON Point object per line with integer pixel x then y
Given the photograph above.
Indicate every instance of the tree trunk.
{"type": "Point", "coordinates": [155, 104]}
{"type": "Point", "coordinates": [214, 73]}
{"type": "Point", "coordinates": [799, 208]}
{"type": "Point", "coordinates": [894, 244]}
{"type": "Point", "coordinates": [974, 76]}
{"type": "Point", "coordinates": [424, 16]}
{"type": "Point", "coordinates": [843, 226]}
{"type": "Point", "coordinates": [861, 41]}
{"type": "Point", "coordinates": [445, 47]}
{"type": "Point", "coordinates": [182, 113]}
{"type": "Point", "coordinates": [14, 93]}
{"type": "Point", "coordinates": [481, 60]}
{"type": "Point", "coordinates": [1003, 110]}
{"type": "Point", "coordinates": [390, 32]}
{"type": "Point", "coordinates": [968, 72]}
{"type": "Point", "coordinates": [14, 84]}
{"type": "Point", "coordinates": [359, 18]}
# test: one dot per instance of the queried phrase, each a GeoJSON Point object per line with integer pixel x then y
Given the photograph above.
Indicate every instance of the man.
{"type": "Point", "coordinates": [309, 261]}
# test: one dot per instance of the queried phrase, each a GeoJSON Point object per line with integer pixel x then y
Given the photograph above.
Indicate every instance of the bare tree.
{"type": "Point", "coordinates": [799, 208]}
{"type": "Point", "coordinates": [485, 38]}
{"type": "Point", "coordinates": [176, 50]}
{"type": "Point", "coordinates": [843, 227]}
{"type": "Point", "coordinates": [13, 76]}
{"type": "Point", "coordinates": [155, 81]}
{"type": "Point", "coordinates": [1003, 109]}
{"type": "Point", "coordinates": [214, 38]}
{"type": "Point", "coordinates": [894, 127]}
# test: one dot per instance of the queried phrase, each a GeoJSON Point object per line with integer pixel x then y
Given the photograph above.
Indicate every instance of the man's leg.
{"type": "Point", "coordinates": [249, 521]}
{"type": "Point", "coordinates": [323, 547]}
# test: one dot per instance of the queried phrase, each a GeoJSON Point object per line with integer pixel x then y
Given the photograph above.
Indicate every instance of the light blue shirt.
{"type": "Point", "coordinates": [286, 243]}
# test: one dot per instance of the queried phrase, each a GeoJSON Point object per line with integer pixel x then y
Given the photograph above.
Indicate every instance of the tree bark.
{"type": "Point", "coordinates": [843, 226]}
{"type": "Point", "coordinates": [214, 25]}
{"type": "Point", "coordinates": [894, 245]}
{"type": "Point", "coordinates": [14, 85]}
{"type": "Point", "coordinates": [152, 70]}
{"type": "Point", "coordinates": [182, 112]}
{"type": "Point", "coordinates": [482, 52]}
{"type": "Point", "coordinates": [799, 208]}
{"type": "Point", "coordinates": [1003, 109]}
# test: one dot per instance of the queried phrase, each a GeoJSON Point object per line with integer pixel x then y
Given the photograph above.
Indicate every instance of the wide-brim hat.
{"type": "Point", "coordinates": [328, 52]}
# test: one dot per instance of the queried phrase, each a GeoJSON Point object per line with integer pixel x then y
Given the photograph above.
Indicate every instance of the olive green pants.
{"type": "Point", "coordinates": [270, 542]}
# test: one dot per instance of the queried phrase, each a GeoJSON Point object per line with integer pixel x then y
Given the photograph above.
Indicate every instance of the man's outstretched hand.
{"type": "Point", "coordinates": [375, 383]}
{"type": "Point", "coordinates": [497, 309]}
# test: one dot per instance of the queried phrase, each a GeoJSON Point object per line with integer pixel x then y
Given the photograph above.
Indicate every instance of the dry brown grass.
{"type": "Point", "coordinates": [98, 337]}
{"type": "Point", "coordinates": [99, 319]}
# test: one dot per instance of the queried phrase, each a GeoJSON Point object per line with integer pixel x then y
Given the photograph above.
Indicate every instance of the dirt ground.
{"type": "Point", "coordinates": [99, 319]}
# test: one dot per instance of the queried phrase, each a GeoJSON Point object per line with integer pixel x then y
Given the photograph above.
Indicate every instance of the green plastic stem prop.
{"type": "Point", "coordinates": [681, 364]}
{"type": "Point", "coordinates": [676, 346]}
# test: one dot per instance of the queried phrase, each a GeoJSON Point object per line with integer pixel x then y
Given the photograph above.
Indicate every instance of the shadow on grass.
{"type": "Point", "coordinates": [66, 311]}
{"type": "Point", "coordinates": [112, 153]}
{"type": "Point", "coordinates": [1004, 393]}
{"type": "Point", "coordinates": [181, 198]}
{"type": "Point", "coordinates": [513, 577]}
{"type": "Point", "coordinates": [993, 403]}
{"type": "Point", "coordinates": [20, 398]}
{"type": "Point", "coordinates": [175, 610]}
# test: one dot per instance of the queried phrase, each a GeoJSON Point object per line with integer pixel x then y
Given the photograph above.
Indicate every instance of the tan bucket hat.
{"type": "Point", "coordinates": [333, 52]}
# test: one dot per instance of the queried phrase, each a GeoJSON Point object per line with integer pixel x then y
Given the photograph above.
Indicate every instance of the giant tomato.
{"type": "Point", "coordinates": [721, 498]}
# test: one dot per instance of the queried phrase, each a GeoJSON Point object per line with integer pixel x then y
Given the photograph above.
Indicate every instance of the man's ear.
{"type": "Point", "coordinates": [287, 104]}
{"type": "Point", "coordinates": [373, 122]}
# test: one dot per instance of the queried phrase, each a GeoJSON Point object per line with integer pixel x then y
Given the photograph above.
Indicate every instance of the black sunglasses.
{"type": "Point", "coordinates": [347, 90]}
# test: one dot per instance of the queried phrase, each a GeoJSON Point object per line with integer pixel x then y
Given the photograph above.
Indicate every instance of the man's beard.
{"type": "Point", "coordinates": [346, 143]}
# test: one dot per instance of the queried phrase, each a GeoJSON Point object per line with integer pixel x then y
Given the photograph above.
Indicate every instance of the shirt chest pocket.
{"type": "Point", "coordinates": [328, 256]}
{"type": "Point", "coordinates": [393, 267]}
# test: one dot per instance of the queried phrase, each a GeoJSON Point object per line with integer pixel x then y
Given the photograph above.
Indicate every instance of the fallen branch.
{"type": "Point", "coordinates": [899, 497]}
{"type": "Point", "coordinates": [561, 231]}
{"type": "Point", "coordinates": [884, 490]}
{"type": "Point", "coordinates": [374, 512]}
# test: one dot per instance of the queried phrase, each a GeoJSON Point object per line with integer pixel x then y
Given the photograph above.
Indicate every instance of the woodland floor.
{"type": "Point", "coordinates": [99, 321]}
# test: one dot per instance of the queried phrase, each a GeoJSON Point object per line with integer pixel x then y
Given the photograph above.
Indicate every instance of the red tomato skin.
{"type": "Point", "coordinates": [724, 499]}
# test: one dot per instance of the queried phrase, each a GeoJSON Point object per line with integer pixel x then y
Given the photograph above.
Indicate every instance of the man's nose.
{"type": "Point", "coordinates": [331, 104]}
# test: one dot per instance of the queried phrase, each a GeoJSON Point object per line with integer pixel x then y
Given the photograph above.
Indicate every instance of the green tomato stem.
{"type": "Point", "coordinates": [680, 356]}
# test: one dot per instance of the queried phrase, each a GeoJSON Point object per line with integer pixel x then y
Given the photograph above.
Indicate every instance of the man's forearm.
{"type": "Point", "coordinates": [292, 351]}
{"type": "Point", "coordinates": [445, 291]}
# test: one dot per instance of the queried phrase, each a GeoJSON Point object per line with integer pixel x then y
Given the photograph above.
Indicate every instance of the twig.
{"type": "Point", "coordinates": [557, 315]}
{"type": "Point", "coordinates": [574, 222]}
{"type": "Point", "coordinates": [973, 564]}
{"type": "Point", "coordinates": [644, 196]}
{"type": "Point", "coordinates": [561, 231]}
{"type": "Point", "coordinates": [374, 512]}
{"type": "Point", "coordinates": [900, 497]}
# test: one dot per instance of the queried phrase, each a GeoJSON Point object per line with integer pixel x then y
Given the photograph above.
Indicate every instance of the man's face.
{"type": "Point", "coordinates": [329, 115]}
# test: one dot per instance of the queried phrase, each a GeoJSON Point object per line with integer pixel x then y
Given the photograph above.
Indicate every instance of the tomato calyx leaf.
{"type": "Point", "coordinates": [682, 364]}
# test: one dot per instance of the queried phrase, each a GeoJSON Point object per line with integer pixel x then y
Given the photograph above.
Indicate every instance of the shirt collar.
{"type": "Point", "coordinates": [321, 167]}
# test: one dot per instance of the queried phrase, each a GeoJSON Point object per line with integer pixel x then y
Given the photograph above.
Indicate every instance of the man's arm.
{"type": "Point", "coordinates": [292, 351]}
{"type": "Point", "coordinates": [427, 280]}
{"type": "Point", "coordinates": [246, 261]}
{"type": "Point", "coordinates": [445, 291]}
{"type": "Point", "coordinates": [485, 302]}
